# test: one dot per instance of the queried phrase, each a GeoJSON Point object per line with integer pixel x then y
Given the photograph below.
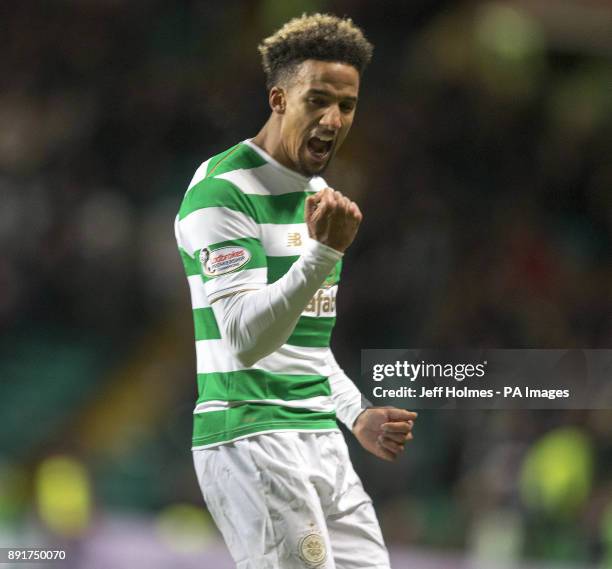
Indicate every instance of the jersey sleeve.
{"type": "Point", "coordinates": [257, 323]}
{"type": "Point", "coordinates": [217, 229]}
{"type": "Point", "coordinates": [348, 400]}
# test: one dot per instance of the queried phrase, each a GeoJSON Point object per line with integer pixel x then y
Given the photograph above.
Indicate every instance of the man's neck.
{"type": "Point", "coordinates": [269, 140]}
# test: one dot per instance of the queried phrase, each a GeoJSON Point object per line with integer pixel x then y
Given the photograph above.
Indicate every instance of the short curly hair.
{"type": "Point", "coordinates": [319, 36]}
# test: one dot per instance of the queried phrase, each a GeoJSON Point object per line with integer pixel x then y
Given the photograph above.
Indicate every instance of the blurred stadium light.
{"type": "Point", "coordinates": [63, 496]}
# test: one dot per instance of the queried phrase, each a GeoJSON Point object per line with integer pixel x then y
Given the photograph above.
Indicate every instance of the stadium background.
{"type": "Point", "coordinates": [480, 156]}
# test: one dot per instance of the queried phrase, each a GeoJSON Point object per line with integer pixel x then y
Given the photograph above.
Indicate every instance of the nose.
{"type": "Point", "coordinates": [332, 118]}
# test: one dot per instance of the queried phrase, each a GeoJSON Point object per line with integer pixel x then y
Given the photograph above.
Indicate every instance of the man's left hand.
{"type": "Point", "coordinates": [384, 430]}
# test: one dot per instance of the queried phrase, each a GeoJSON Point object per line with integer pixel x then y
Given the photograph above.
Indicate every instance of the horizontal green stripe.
{"type": "Point", "coordinates": [278, 266]}
{"type": "Point", "coordinates": [311, 332]}
{"type": "Point", "coordinates": [334, 275]}
{"type": "Point", "coordinates": [259, 384]}
{"type": "Point", "coordinates": [221, 426]}
{"type": "Point", "coordinates": [205, 324]}
{"type": "Point", "coordinates": [192, 265]}
{"type": "Point", "coordinates": [211, 192]}
{"type": "Point", "coordinates": [214, 192]}
{"type": "Point", "coordinates": [252, 245]}
{"type": "Point", "coordinates": [215, 160]}
{"type": "Point", "coordinates": [239, 156]}
{"type": "Point", "coordinates": [285, 208]}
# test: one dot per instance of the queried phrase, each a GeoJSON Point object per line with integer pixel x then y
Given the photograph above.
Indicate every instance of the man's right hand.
{"type": "Point", "coordinates": [332, 219]}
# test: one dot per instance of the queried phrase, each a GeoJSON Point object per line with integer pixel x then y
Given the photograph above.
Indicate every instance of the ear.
{"type": "Point", "coordinates": [277, 99]}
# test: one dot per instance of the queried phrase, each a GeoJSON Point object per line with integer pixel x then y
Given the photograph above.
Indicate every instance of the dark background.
{"type": "Point", "coordinates": [480, 156]}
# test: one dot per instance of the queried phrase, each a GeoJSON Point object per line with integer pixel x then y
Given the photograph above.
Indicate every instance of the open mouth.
{"type": "Point", "coordinates": [319, 149]}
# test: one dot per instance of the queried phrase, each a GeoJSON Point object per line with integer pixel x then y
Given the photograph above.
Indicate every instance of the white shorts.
{"type": "Point", "coordinates": [291, 500]}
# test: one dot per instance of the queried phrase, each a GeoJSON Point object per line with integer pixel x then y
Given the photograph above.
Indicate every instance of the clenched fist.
{"type": "Point", "coordinates": [384, 430]}
{"type": "Point", "coordinates": [332, 219]}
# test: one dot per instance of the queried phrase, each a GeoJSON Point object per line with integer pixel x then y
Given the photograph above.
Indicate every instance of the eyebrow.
{"type": "Point", "coordinates": [328, 94]}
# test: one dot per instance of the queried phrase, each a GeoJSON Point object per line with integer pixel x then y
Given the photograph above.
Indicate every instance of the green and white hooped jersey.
{"type": "Point", "coordinates": [240, 227]}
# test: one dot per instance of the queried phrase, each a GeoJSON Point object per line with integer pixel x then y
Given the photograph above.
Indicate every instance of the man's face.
{"type": "Point", "coordinates": [320, 105]}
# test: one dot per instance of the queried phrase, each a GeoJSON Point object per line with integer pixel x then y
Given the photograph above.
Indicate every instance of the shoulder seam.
{"type": "Point", "coordinates": [209, 174]}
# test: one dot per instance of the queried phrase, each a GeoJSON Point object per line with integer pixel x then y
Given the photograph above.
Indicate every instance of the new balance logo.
{"type": "Point", "coordinates": [294, 239]}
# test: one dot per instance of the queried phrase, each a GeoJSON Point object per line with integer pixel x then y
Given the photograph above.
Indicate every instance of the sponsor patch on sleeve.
{"type": "Point", "coordinates": [223, 260]}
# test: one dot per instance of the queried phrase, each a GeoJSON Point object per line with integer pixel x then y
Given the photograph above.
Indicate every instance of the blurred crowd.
{"type": "Point", "coordinates": [480, 157]}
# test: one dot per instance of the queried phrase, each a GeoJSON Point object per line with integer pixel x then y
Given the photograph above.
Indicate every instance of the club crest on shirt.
{"type": "Point", "coordinates": [311, 549]}
{"type": "Point", "coordinates": [223, 260]}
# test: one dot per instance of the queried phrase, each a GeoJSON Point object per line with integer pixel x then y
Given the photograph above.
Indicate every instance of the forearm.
{"type": "Point", "coordinates": [255, 323]}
